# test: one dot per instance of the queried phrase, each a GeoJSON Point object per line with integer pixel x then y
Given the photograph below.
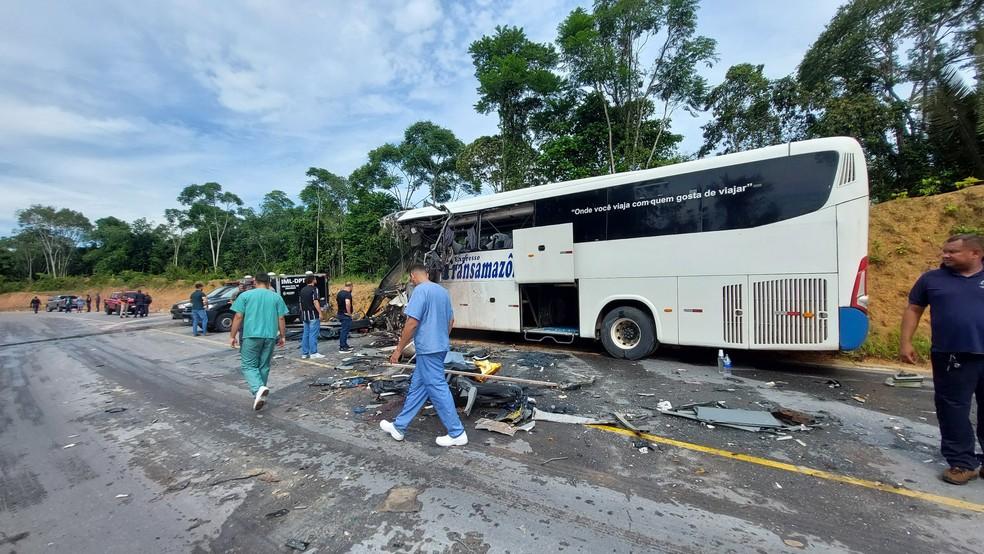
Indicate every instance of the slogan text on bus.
{"type": "Point", "coordinates": [692, 195]}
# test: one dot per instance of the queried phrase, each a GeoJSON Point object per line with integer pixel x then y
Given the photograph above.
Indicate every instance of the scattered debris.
{"type": "Point", "coordinates": [793, 543]}
{"type": "Point", "coordinates": [646, 393]}
{"type": "Point", "coordinates": [715, 413]}
{"type": "Point", "coordinates": [528, 427]}
{"type": "Point", "coordinates": [794, 417]}
{"type": "Point", "coordinates": [545, 462]}
{"type": "Point", "coordinates": [401, 499]}
{"type": "Point", "coordinates": [801, 443]}
{"type": "Point", "coordinates": [575, 385]}
{"type": "Point", "coordinates": [122, 496]}
{"type": "Point", "coordinates": [540, 415]}
{"type": "Point", "coordinates": [297, 544]}
{"type": "Point", "coordinates": [664, 406]}
{"type": "Point", "coordinates": [279, 513]}
{"type": "Point", "coordinates": [833, 384]}
{"type": "Point", "coordinates": [500, 427]}
{"type": "Point", "coordinates": [115, 410]}
{"type": "Point", "coordinates": [905, 380]}
{"type": "Point", "coordinates": [359, 410]}
{"type": "Point", "coordinates": [240, 478]}
{"type": "Point", "coordinates": [784, 438]}
{"type": "Point", "coordinates": [69, 445]}
{"type": "Point", "coordinates": [860, 399]}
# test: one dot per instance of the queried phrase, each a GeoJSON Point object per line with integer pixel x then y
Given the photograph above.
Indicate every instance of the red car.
{"type": "Point", "coordinates": [113, 304]}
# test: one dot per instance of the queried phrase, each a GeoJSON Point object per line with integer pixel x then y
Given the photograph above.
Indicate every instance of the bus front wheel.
{"type": "Point", "coordinates": [628, 332]}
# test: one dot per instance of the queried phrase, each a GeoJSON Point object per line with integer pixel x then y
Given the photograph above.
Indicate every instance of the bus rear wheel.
{"type": "Point", "coordinates": [628, 332]}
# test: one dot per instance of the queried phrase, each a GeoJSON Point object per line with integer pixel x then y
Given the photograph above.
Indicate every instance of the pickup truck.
{"type": "Point", "coordinates": [116, 300]}
{"type": "Point", "coordinates": [58, 302]}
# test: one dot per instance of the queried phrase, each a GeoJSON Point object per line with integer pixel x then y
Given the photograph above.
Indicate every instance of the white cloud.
{"type": "Point", "coordinates": [113, 107]}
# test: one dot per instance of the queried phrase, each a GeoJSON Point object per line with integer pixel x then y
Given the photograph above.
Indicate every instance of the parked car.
{"type": "Point", "coordinates": [117, 300]}
{"type": "Point", "coordinates": [57, 302]}
{"type": "Point", "coordinates": [219, 308]}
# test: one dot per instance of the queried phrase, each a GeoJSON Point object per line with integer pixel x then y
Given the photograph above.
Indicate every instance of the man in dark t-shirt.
{"type": "Point", "coordinates": [955, 295]}
{"type": "Point", "coordinates": [311, 318]}
{"type": "Point", "coordinates": [199, 317]}
{"type": "Point", "coordinates": [345, 311]}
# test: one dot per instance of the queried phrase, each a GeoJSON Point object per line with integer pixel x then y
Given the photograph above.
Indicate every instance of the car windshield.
{"type": "Point", "coordinates": [222, 292]}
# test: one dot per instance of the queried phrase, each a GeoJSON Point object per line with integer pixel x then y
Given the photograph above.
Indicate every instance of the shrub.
{"type": "Point", "coordinates": [967, 182]}
{"type": "Point", "coordinates": [950, 210]}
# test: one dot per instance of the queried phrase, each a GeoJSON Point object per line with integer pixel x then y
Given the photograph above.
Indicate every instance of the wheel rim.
{"type": "Point", "coordinates": [626, 333]}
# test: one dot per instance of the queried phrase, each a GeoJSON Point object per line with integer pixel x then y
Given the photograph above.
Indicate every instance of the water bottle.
{"type": "Point", "coordinates": [720, 361]}
{"type": "Point", "coordinates": [727, 365]}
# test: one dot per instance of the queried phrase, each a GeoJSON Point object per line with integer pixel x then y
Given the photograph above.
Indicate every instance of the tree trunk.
{"type": "Point", "coordinates": [608, 122]}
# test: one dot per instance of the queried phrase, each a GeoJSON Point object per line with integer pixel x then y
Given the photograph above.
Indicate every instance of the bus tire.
{"type": "Point", "coordinates": [628, 332]}
{"type": "Point", "coordinates": [223, 322]}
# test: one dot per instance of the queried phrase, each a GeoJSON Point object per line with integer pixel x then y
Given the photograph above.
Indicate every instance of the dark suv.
{"type": "Point", "coordinates": [219, 309]}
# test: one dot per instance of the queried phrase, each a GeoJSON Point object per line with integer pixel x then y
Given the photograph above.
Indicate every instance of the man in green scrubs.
{"type": "Point", "coordinates": [260, 312]}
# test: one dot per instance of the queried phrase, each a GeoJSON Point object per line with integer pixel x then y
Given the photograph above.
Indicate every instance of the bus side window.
{"type": "Point", "coordinates": [498, 226]}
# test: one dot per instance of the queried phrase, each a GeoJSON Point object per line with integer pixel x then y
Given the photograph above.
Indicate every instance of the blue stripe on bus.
{"type": "Point", "coordinates": [853, 328]}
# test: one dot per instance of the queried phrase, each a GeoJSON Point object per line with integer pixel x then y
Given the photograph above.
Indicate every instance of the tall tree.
{"type": "Point", "coordinates": [327, 195]}
{"type": "Point", "coordinates": [641, 58]}
{"type": "Point", "coordinates": [425, 161]}
{"type": "Point", "coordinates": [212, 211]}
{"type": "Point", "coordinates": [370, 247]}
{"type": "Point", "coordinates": [176, 228]}
{"type": "Point", "coordinates": [479, 164]}
{"type": "Point", "coordinates": [515, 76]}
{"type": "Point", "coordinates": [748, 110]}
{"type": "Point", "coordinates": [59, 233]}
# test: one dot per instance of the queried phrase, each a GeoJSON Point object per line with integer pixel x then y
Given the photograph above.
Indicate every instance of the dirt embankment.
{"type": "Point", "coordinates": [165, 297]}
{"type": "Point", "coordinates": [904, 241]}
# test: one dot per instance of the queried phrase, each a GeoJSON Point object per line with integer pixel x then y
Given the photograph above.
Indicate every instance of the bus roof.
{"type": "Point", "coordinates": [529, 194]}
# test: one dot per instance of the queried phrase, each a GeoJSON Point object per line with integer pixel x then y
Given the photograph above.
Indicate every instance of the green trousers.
{"type": "Point", "coordinates": [254, 356]}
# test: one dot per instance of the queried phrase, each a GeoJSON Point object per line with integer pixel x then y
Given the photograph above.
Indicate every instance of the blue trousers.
{"type": "Point", "coordinates": [198, 318]}
{"type": "Point", "coordinates": [343, 333]}
{"type": "Point", "coordinates": [426, 384]}
{"type": "Point", "coordinates": [957, 378]}
{"type": "Point", "coordinates": [254, 358]}
{"type": "Point", "coordinates": [309, 337]}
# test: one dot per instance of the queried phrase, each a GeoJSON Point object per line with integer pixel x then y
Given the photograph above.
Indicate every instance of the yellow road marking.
{"type": "Point", "coordinates": [819, 473]}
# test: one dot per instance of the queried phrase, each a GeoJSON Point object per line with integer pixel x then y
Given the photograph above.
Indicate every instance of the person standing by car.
{"type": "Point", "coordinates": [140, 299]}
{"type": "Point", "coordinates": [98, 301]}
{"type": "Point", "coordinates": [88, 303]}
{"type": "Point", "coordinates": [199, 317]}
{"type": "Point", "coordinates": [345, 311]}
{"type": "Point", "coordinates": [955, 295]}
{"type": "Point", "coordinates": [310, 317]}
{"type": "Point", "coordinates": [36, 304]}
{"type": "Point", "coordinates": [260, 313]}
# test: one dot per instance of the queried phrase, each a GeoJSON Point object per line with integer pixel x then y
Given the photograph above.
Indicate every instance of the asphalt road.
{"type": "Point", "coordinates": [132, 436]}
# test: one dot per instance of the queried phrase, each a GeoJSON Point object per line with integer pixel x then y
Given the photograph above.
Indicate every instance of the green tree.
{"type": "Point", "coordinates": [515, 76]}
{"type": "Point", "coordinates": [479, 164]}
{"type": "Point", "coordinates": [369, 246]}
{"type": "Point", "coordinates": [424, 161]}
{"type": "Point", "coordinates": [749, 110]}
{"type": "Point", "coordinates": [327, 195]}
{"type": "Point", "coordinates": [604, 50]}
{"type": "Point", "coordinates": [211, 211]}
{"type": "Point", "coordinates": [176, 229]}
{"type": "Point", "coordinates": [112, 246]}
{"type": "Point", "coordinates": [58, 232]}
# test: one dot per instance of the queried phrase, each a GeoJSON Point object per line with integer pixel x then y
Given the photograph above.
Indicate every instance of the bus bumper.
{"type": "Point", "coordinates": [853, 328]}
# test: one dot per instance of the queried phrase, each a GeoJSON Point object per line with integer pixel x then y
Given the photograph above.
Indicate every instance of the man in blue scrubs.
{"type": "Point", "coordinates": [955, 295]}
{"type": "Point", "coordinates": [429, 322]}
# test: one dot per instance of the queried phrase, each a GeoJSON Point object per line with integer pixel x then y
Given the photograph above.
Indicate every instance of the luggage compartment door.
{"type": "Point", "coordinates": [544, 254]}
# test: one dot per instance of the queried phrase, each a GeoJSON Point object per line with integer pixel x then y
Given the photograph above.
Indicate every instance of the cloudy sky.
{"type": "Point", "coordinates": [111, 107]}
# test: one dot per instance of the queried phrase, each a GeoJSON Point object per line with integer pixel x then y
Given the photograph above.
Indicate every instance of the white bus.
{"type": "Point", "coordinates": [765, 249]}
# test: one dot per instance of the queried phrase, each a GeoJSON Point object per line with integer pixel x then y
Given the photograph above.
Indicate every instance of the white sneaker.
{"type": "Point", "coordinates": [391, 429]}
{"type": "Point", "coordinates": [304, 356]}
{"type": "Point", "coordinates": [446, 440]}
{"type": "Point", "coordinates": [260, 399]}
{"type": "Point", "coordinates": [316, 356]}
